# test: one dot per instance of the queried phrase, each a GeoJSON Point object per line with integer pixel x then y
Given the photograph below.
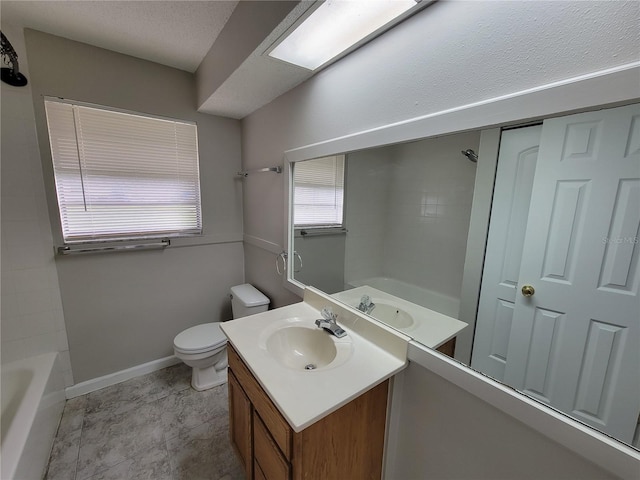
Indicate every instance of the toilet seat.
{"type": "Point", "coordinates": [199, 339]}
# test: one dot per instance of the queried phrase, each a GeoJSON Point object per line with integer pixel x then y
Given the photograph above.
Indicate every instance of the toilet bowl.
{"type": "Point", "coordinates": [203, 347]}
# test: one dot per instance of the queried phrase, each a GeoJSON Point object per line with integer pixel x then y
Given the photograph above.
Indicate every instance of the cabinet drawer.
{"type": "Point", "coordinates": [273, 420]}
{"type": "Point", "coordinates": [270, 462]}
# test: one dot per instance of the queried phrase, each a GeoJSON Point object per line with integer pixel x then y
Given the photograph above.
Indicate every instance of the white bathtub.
{"type": "Point", "coordinates": [32, 403]}
{"type": "Point", "coordinates": [425, 298]}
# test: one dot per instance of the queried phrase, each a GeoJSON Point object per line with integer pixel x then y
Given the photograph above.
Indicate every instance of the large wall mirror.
{"type": "Point", "coordinates": [557, 310]}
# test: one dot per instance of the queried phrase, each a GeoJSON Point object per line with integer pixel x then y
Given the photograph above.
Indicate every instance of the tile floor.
{"type": "Point", "coordinates": [152, 427]}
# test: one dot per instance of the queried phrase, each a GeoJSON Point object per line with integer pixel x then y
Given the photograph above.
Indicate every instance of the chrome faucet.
{"type": "Point", "coordinates": [366, 305]}
{"type": "Point", "coordinates": [328, 322]}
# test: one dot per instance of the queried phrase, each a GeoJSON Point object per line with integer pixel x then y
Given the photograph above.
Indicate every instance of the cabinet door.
{"type": "Point", "coordinates": [270, 462]}
{"type": "Point", "coordinates": [258, 473]}
{"type": "Point", "coordinates": [273, 420]}
{"type": "Point", "coordinates": [346, 445]}
{"type": "Point", "coordinates": [240, 411]}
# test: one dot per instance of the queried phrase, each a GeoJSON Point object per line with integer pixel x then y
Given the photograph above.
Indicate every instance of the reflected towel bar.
{"type": "Point", "coordinates": [68, 250]}
{"type": "Point", "coordinates": [245, 173]}
{"type": "Point", "coordinates": [312, 232]}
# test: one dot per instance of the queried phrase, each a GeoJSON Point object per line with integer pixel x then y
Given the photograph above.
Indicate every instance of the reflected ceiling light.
{"type": "Point", "coordinates": [336, 26]}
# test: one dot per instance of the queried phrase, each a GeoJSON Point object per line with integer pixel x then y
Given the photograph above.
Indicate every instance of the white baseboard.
{"type": "Point", "coordinates": [94, 384]}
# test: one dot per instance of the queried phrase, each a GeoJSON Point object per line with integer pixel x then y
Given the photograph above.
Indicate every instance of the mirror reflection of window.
{"type": "Point", "coordinates": [319, 192]}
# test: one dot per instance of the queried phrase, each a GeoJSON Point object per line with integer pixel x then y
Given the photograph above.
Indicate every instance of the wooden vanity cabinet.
{"type": "Point", "coordinates": [348, 443]}
{"type": "Point", "coordinates": [448, 348]}
{"type": "Point", "coordinates": [268, 460]}
{"type": "Point", "coordinates": [240, 414]}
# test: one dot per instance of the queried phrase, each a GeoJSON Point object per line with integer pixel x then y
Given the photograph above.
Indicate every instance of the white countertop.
{"type": "Point", "coordinates": [430, 328]}
{"type": "Point", "coordinates": [305, 396]}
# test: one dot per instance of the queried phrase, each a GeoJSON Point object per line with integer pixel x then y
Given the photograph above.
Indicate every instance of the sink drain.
{"type": "Point", "coordinates": [310, 366]}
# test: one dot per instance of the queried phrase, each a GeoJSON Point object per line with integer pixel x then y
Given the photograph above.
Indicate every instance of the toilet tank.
{"type": "Point", "coordinates": [247, 300]}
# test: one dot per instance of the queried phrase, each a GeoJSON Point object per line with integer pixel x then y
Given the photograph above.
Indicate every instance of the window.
{"type": "Point", "coordinates": [319, 192]}
{"type": "Point", "coordinates": [122, 175]}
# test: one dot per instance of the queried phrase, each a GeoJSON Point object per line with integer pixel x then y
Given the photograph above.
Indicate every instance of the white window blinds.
{"type": "Point", "coordinates": [319, 192]}
{"type": "Point", "coordinates": [123, 176]}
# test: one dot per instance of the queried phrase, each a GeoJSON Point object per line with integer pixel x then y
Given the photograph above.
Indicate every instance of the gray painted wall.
{"type": "Point", "coordinates": [452, 434]}
{"type": "Point", "coordinates": [124, 309]}
{"type": "Point", "coordinates": [450, 54]}
{"type": "Point", "coordinates": [322, 259]}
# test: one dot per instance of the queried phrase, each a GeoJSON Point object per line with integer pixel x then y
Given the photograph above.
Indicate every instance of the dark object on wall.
{"type": "Point", "coordinates": [471, 155]}
{"type": "Point", "coordinates": [10, 75]}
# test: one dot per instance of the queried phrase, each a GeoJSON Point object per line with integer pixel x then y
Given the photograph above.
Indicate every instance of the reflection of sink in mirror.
{"type": "Point", "coordinates": [392, 316]}
{"type": "Point", "coordinates": [411, 293]}
{"type": "Point", "coordinates": [425, 325]}
{"type": "Point", "coordinates": [300, 345]}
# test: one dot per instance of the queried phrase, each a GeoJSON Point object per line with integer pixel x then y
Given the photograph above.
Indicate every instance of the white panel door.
{"type": "Point", "coordinates": [507, 226]}
{"type": "Point", "coordinates": [575, 344]}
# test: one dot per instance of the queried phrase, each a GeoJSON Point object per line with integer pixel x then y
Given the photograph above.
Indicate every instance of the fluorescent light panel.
{"type": "Point", "coordinates": [334, 27]}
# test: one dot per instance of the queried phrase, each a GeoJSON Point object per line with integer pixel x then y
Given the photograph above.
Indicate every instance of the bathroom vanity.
{"type": "Point", "coordinates": [347, 443]}
{"type": "Point", "coordinates": [304, 404]}
{"type": "Point", "coordinates": [431, 328]}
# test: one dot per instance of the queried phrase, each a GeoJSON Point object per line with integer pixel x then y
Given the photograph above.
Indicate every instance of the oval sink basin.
{"type": "Point", "coordinates": [392, 316]}
{"type": "Point", "coordinates": [302, 348]}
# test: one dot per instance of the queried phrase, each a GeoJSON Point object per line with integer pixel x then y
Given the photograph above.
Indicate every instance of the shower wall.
{"type": "Point", "coordinates": [367, 192]}
{"type": "Point", "coordinates": [32, 315]}
{"type": "Point", "coordinates": [408, 210]}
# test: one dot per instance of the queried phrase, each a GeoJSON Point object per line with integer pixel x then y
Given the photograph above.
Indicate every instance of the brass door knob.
{"type": "Point", "coordinates": [528, 291]}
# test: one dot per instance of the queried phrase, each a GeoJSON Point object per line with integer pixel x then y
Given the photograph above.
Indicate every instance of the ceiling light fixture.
{"type": "Point", "coordinates": [337, 27]}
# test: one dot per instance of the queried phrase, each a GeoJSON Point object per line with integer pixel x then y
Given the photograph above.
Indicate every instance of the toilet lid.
{"type": "Point", "coordinates": [200, 338]}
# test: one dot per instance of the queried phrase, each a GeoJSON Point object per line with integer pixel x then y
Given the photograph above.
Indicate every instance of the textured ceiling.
{"type": "Point", "coordinates": [179, 34]}
{"type": "Point", "coordinates": [174, 33]}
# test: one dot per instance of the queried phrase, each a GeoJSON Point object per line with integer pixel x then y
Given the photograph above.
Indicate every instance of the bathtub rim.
{"type": "Point", "coordinates": [454, 302]}
{"type": "Point", "coordinates": [13, 447]}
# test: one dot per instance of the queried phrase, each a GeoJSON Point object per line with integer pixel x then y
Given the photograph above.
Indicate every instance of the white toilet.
{"type": "Point", "coordinates": [203, 347]}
